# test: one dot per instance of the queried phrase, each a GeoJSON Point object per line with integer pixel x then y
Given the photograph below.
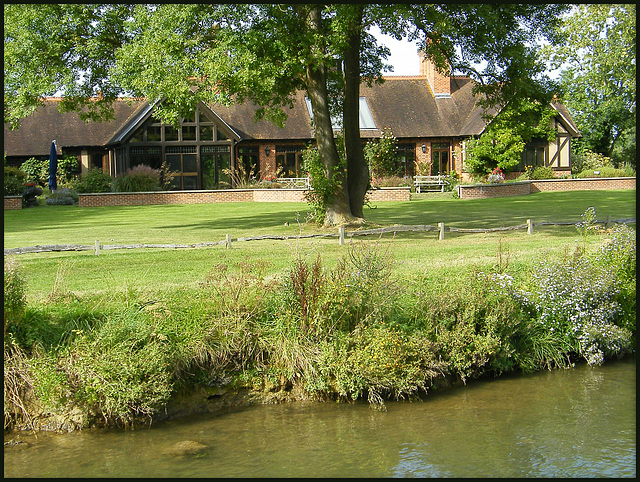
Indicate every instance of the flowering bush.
{"type": "Point", "coordinates": [496, 176]}
{"type": "Point", "coordinates": [584, 300]}
{"type": "Point", "coordinates": [62, 197]}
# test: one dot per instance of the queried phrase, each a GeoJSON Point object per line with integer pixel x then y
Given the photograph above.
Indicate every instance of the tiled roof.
{"type": "Point", "coordinates": [404, 104]}
{"type": "Point", "coordinates": [36, 131]}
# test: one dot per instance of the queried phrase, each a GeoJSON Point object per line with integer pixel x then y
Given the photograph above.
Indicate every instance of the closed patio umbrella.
{"type": "Point", "coordinates": [53, 167]}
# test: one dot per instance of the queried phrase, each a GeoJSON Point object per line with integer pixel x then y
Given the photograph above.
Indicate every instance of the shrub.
{"type": "Point", "coordinates": [606, 172]}
{"type": "Point", "coordinates": [14, 179]}
{"type": "Point", "coordinates": [391, 181]}
{"type": "Point", "coordinates": [580, 302]}
{"type": "Point", "coordinates": [539, 172]}
{"type": "Point", "coordinates": [381, 155]}
{"type": "Point", "coordinates": [589, 161]}
{"type": "Point", "coordinates": [379, 361]}
{"type": "Point", "coordinates": [95, 180]}
{"type": "Point", "coordinates": [37, 170]}
{"type": "Point", "coordinates": [30, 194]}
{"type": "Point", "coordinates": [140, 178]}
{"type": "Point", "coordinates": [62, 196]}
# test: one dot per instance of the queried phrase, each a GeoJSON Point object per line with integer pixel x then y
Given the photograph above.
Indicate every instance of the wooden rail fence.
{"type": "Point", "coordinates": [341, 234]}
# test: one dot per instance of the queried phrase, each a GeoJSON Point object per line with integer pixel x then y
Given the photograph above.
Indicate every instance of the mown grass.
{"type": "Point", "coordinates": [117, 335]}
{"type": "Point", "coordinates": [197, 223]}
{"type": "Point", "coordinates": [187, 224]}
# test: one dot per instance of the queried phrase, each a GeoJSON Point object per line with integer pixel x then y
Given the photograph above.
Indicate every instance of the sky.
{"type": "Point", "coordinates": [404, 54]}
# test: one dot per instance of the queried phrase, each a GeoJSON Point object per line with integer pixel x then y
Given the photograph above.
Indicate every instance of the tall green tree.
{"type": "Point", "coordinates": [598, 75]}
{"type": "Point", "coordinates": [264, 53]}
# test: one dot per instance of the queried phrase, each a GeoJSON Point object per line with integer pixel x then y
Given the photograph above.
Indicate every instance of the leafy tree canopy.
{"type": "Point", "coordinates": [598, 74]}
{"type": "Point", "coordinates": [504, 139]}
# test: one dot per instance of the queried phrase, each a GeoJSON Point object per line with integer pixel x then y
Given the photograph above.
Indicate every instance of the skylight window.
{"type": "Point", "coordinates": [366, 119]}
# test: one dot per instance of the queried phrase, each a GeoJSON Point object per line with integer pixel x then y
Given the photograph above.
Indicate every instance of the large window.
{"type": "Point", "coordinates": [440, 158]}
{"type": "Point", "coordinates": [183, 160]}
{"type": "Point", "coordinates": [406, 159]}
{"type": "Point", "coordinates": [248, 160]}
{"type": "Point", "coordinates": [215, 166]}
{"type": "Point", "coordinates": [534, 154]}
{"type": "Point", "coordinates": [196, 152]}
{"type": "Point", "coordinates": [147, 155]}
{"type": "Point", "coordinates": [289, 161]}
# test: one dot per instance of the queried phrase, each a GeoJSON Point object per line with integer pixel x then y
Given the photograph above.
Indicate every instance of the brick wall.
{"type": "Point", "coordinates": [485, 191]}
{"type": "Point", "coordinates": [230, 195]}
{"type": "Point", "coordinates": [278, 195]}
{"type": "Point", "coordinates": [12, 202]}
{"type": "Point", "coordinates": [584, 184]}
{"type": "Point", "coordinates": [163, 197]}
{"type": "Point", "coordinates": [390, 194]}
{"type": "Point", "coordinates": [482, 191]}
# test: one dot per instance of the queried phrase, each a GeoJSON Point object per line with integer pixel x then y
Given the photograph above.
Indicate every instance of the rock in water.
{"type": "Point", "coordinates": [186, 447]}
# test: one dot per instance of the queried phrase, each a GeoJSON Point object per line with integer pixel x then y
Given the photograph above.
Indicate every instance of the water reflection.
{"type": "Point", "coordinates": [569, 423]}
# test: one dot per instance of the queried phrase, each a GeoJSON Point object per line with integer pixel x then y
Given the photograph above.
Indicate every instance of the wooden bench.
{"type": "Point", "coordinates": [430, 182]}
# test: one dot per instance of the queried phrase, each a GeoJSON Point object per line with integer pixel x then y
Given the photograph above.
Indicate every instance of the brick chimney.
{"type": "Point", "coordinates": [440, 83]}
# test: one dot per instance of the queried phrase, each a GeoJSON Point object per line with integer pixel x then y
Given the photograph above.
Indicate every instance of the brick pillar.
{"type": "Point", "coordinates": [267, 163]}
{"type": "Point", "coordinates": [423, 159]}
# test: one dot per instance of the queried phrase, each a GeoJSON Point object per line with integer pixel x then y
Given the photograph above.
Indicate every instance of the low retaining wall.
{"type": "Point", "coordinates": [218, 196]}
{"type": "Point", "coordinates": [12, 202]}
{"type": "Point", "coordinates": [522, 188]}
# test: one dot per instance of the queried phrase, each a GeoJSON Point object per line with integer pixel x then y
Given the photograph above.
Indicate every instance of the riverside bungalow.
{"type": "Point", "coordinates": [431, 115]}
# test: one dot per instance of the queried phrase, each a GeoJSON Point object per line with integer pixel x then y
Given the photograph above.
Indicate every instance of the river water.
{"type": "Point", "coordinates": [564, 423]}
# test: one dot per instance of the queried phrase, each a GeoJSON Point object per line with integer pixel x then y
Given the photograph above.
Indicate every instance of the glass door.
{"type": "Point", "coordinates": [183, 161]}
{"type": "Point", "coordinates": [440, 158]}
{"type": "Point", "coordinates": [215, 167]}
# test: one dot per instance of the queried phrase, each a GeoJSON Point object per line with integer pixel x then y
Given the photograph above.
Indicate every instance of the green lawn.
{"type": "Point", "coordinates": [116, 271]}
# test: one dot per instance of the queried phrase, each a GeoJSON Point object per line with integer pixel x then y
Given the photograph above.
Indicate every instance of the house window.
{"type": "Point", "coordinates": [170, 133]}
{"type": "Point", "coordinates": [183, 160]}
{"type": "Point", "coordinates": [147, 155]}
{"type": "Point", "coordinates": [248, 161]}
{"type": "Point", "coordinates": [440, 157]}
{"type": "Point", "coordinates": [215, 166]}
{"type": "Point", "coordinates": [406, 160]}
{"type": "Point", "coordinates": [206, 133]}
{"type": "Point", "coordinates": [289, 161]}
{"type": "Point", "coordinates": [154, 133]}
{"type": "Point", "coordinates": [97, 161]}
{"type": "Point", "coordinates": [534, 154]}
{"type": "Point", "coordinates": [189, 133]}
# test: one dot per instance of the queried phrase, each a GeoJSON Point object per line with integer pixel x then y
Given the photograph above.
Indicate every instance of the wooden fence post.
{"type": "Point", "coordinates": [529, 226]}
{"type": "Point", "coordinates": [341, 235]}
{"type": "Point", "coordinates": [441, 237]}
{"type": "Point", "coordinates": [228, 241]}
{"type": "Point", "coordinates": [97, 247]}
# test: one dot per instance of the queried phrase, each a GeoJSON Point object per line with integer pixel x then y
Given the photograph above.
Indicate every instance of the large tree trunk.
{"type": "Point", "coordinates": [357, 169]}
{"type": "Point", "coordinates": [338, 210]}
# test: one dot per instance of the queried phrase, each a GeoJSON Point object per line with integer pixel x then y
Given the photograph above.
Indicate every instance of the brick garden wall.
{"type": "Point", "coordinates": [230, 195]}
{"type": "Point", "coordinates": [483, 191]}
{"type": "Point", "coordinates": [12, 202]}
{"type": "Point", "coordinates": [583, 184]}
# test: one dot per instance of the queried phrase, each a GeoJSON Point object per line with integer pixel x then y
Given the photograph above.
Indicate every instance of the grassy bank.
{"type": "Point", "coordinates": [113, 338]}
